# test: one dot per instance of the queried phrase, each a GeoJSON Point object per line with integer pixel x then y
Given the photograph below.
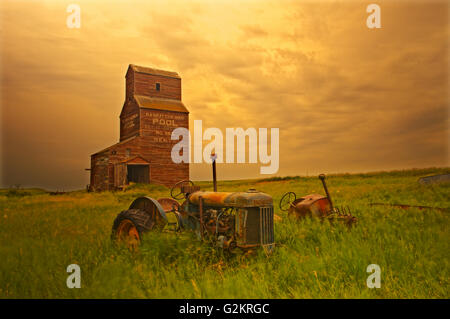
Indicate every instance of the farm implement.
{"type": "Point", "coordinates": [315, 205]}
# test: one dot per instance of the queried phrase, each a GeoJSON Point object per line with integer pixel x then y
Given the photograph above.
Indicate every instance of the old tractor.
{"type": "Point", "coordinates": [230, 220]}
{"type": "Point", "coordinates": [315, 205]}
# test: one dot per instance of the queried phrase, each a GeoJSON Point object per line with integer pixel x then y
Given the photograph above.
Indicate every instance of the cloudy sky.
{"type": "Point", "coordinates": [346, 98]}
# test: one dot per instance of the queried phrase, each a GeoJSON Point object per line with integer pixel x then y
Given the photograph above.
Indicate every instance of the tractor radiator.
{"type": "Point", "coordinates": [254, 226]}
{"type": "Point", "coordinates": [266, 225]}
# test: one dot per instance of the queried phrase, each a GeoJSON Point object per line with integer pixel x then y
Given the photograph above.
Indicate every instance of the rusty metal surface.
{"type": "Point", "coordinates": [240, 225]}
{"type": "Point", "coordinates": [316, 205]}
{"type": "Point", "coordinates": [324, 184]}
{"type": "Point", "coordinates": [169, 204]}
{"type": "Point", "coordinates": [209, 198]}
{"type": "Point", "coordinates": [153, 209]}
{"type": "Point", "coordinates": [212, 228]}
{"type": "Point", "coordinates": [313, 205]}
{"type": "Point", "coordinates": [230, 219]}
{"type": "Point", "coordinates": [251, 198]}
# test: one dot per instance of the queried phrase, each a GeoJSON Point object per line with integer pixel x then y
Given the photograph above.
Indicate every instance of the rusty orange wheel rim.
{"type": "Point", "coordinates": [128, 234]}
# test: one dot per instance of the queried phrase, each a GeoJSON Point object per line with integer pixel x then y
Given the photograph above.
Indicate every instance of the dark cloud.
{"type": "Point", "coordinates": [345, 98]}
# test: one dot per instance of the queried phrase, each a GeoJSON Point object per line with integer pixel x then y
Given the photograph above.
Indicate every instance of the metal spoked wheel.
{"type": "Point", "coordinates": [287, 200]}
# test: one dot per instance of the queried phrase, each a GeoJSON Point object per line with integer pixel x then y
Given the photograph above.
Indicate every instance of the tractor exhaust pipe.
{"type": "Point", "coordinates": [322, 178]}
{"type": "Point", "coordinates": [213, 158]}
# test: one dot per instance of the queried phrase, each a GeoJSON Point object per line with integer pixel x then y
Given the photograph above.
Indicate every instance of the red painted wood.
{"type": "Point", "coordinates": [145, 133]}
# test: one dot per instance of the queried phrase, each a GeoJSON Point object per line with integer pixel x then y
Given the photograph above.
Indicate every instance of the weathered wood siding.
{"type": "Point", "coordinates": [145, 84]}
{"type": "Point", "coordinates": [120, 174]}
{"type": "Point", "coordinates": [156, 130]}
{"type": "Point", "coordinates": [129, 120]}
{"type": "Point", "coordinates": [144, 132]}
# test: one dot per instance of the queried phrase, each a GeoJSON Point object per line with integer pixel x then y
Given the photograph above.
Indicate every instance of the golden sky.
{"type": "Point", "coordinates": [345, 97]}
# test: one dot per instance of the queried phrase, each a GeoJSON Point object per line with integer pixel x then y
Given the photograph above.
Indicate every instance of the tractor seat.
{"type": "Point", "coordinates": [169, 204]}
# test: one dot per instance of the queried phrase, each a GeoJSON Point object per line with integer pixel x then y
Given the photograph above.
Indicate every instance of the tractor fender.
{"type": "Point", "coordinates": [153, 208]}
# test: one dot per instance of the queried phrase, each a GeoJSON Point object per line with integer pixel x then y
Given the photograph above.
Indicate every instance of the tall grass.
{"type": "Point", "coordinates": [40, 235]}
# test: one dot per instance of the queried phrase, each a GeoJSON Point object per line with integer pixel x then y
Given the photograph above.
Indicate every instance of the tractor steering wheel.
{"type": "Point", "coordinates": [179, 194]}
{"type": "Point", "coordinates": [287, 200]}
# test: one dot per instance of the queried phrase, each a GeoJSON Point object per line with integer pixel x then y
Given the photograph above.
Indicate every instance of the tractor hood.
{"type": "Point", "coordinates": [250, 198]}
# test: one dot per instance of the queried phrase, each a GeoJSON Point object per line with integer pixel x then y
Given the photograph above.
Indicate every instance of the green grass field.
{"type": "Point", "coordinates": [41, 234]}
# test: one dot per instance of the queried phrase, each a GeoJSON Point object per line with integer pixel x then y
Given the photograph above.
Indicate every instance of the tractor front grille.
{"type": "Point", "coordinates": [266, 225]}
{"type": "Point", "coordinates": [255, 226]}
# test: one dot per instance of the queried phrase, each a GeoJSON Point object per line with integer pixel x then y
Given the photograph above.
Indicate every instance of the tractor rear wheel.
{"type": "Point", "coordinates": [130, 225]}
